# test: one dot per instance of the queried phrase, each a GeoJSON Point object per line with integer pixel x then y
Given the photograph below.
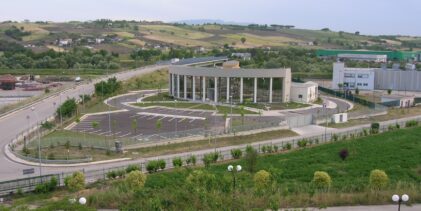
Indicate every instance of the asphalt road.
{"type": "Point", "coordinates": [17, 122]}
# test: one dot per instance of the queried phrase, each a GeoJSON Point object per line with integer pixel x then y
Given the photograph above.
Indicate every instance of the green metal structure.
{"type": "Point", "coordinates": [391, 55]}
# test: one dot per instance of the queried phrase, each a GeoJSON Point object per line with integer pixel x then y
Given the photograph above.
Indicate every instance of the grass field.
{"type": "Point", "coordinates": [397, 153]}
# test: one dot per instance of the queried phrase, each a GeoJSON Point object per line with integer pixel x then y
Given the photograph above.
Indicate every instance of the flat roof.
{"type": "Point", "coordinates": [239, 72]}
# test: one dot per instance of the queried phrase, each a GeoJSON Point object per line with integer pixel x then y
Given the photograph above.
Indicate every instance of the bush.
{"type": "Point", "coordinates": [162, 164]}
{"type": "Point", "coordinates": [136, 179]}
{"type": "Point", "coordinates": [335, 137]}
{"type": "Point", "coordinates": [210, 158]}
{"type": "Point", "coordinates": [191, 160]}
{"type": "Point", "coordinates": [275, 148]}
{"type": "Point", "coordinates": [115, 174]}
{"type": "Point", "coordinates": [46, 186]}
{"type": "Point", "coordinates": [199, 179]}
{"type": "Point", "coordinates": [302, 143]}
{"type": "Point", "coordinates": [236, 153]}
{"type": "Point", "coordinates": [75, 182]}
{"type": "Point", "coordinates": [378, 179]}
{"type": "Point", "coordinates": [322, 180]}
{"type": "Point", "coordinates": [411, 123]}
{"type": "Point", "coordinates": [153, 166]}
{"type": "Point", "coordinates": [177, 162]}
{"type": "Point", "coordinates": [287, 146]}
{"type": "Point", "coordinates": [343, 154]}
{"type": "Point", "coordinates": [250, 159]}
{"type": "Point", "coordinates": [375, 128]}
{"type": "Point", "coordinates": [262, 179]}
{"type": "Point", "coordinates": [132, 167]}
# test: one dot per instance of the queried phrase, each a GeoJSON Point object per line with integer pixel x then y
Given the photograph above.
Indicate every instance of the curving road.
{"type": "Point", "coordinates": [17, 122]}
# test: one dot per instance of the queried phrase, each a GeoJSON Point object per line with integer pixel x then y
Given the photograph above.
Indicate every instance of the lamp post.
{"type": "Point", "coordinates": [234, 172]}
{"type": "Point", "coordinates": [404, 198]}
{"type": "Point", "coordinates": [231, 112]}
{"type": "Point", "coordinates": [61, 116]}
{"type": "Point", "coordinates": [39, 143]}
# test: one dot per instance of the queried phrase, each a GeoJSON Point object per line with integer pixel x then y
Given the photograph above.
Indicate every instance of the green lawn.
{"type": "Point", "coordinates": [398, 153]}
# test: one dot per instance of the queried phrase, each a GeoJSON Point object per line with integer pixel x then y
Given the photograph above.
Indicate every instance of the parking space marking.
{"type": "Point", "coordinates": [125, 135]}
{"type": "Point", "coordinates": [191, 121]}
{"type": "Point", "coordinates": [170, 116]}
{"type": "Point", "coordinates": [152, 117]}
{"type": "Point", "coordinates": [181, 120]}
{"type": "Point", "coordinates": [96, 131]}
{"type": "Point", "coordinates": [104, 133]}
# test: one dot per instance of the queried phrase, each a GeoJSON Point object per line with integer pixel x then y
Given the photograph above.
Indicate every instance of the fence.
{"type": "Point", "coordinates": [28, 184]}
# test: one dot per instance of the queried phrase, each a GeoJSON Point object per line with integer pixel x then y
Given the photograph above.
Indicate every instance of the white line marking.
{"type": "Point", "coordinates": [125, 135]}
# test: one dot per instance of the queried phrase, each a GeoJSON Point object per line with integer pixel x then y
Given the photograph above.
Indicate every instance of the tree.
{"type": "Point", "coordinates": [236, 153]}
{"type": "Point", "coordinates": [135, 180]}
{"type": "Point", "coordinates": [322, 180]}
{"type": "Point", "coordinates": [250, 159]}
{"type": "Point", "coordinates": [325, 29]}
{"type": "Point", "coordinates": [134, 126]}
{"type": "Point", "coordinates": [389, 91]}
{"type": "Point", "coordinates": [243, 40]}
{"type": "Point", "coordinates": [201, 180]}
{"type": "Point", "coordinates": [357, 91]}
{"type": "Point", "coordinates": [357, 33]}
{"type": "Point", "coordinates": [262, 180]}
{"type": "Point", "coordinates": [378, 179]}
{"type": "Point", "coordinates": [177, 162]}
{"type": "Point", "coordinates": [68, 108]}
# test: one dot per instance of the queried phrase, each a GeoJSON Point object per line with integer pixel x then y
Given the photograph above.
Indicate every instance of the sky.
{"type": "Point", "coordinates": [372, 17]}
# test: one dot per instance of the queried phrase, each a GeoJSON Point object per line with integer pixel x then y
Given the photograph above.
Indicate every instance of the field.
{"type": "Point", "coordinates": [290, 186]}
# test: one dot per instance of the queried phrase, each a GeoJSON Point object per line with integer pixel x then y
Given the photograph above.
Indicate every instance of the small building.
{"type": "Point", "coordinates": [65, 42]}
{"type": "Point", "coordinates": [363, 57]}
{"type": "Point", "coordinates": [398, 101]}
{"type": "Point", "coordinates": [339, 118]}
{"type": "Point", "coordinates": [8, 82]}
{"type": "Point", "coordinates": [352, 78]}
{"type": "Point", "coordinates": [243, 56]}
{"type": "Point", "coordinates": [233, 64]}
{"type": "Point", "coordinates": [304, 92]}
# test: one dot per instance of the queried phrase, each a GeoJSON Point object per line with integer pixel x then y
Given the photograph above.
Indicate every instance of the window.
{"type": "Point", "coordinates": [363, 75]}
{"type": "Point", "coordinates": [349, 75]}
{"type": "Point", "coordinates": [359, 84]}
{"type": "Point", "coordinates": [365, 84]}
{"type": "Point", "coordinates": [300, 96]}
{"type": "Point", "coordinates": [352, 84]}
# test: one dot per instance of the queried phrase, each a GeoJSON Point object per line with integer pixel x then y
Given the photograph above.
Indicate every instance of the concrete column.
{"type": "Point", "coordinates": [255, 91]}
{"type": "Point", "coordinates": [194, 88]}
{"type": "Point", "coordinates": [185, 87]}
{"type": "Point", "coordinates": [228, 90]}
{"type": "Point", "coordinates": [170, 82]}
{"type": "Point", "coordinates": [241, 90]}
{"type": "Point", "coordinates": [216, 90]}
{"type": "Point", "coordinates": [203, 88]}
{"type": "Point", "coordinates": [270, 89]}
{"type": "Point", "coordinates": [178, 86]}
{"type": "Point", "coordinates": [172, 87]}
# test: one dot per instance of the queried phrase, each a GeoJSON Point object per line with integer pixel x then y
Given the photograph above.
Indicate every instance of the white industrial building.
{"type": "Point", "coordinates": [363, 57]}
{"type": "Point", "coordinates": [352, 78]}
{"type": "Point", "coordinates": [304, 92]}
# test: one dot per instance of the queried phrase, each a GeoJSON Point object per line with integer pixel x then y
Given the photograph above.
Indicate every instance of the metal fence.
{"type": "Point", "coordinates": [28, 184]}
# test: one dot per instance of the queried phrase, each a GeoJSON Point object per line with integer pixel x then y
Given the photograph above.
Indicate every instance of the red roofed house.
{"type": "Point", "coordinates": [7, 82]}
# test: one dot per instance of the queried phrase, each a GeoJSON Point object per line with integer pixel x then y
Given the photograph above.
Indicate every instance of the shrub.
{"type": "Point", "coordinates": [201, 180]}
{"type": "Point", "coordinates": [398, 126]}
{"type": "Point", "coordinates": [378, 179]}
{"type": "Point", "coordinates": [287, 146]}
{"type": "Point", "coordinates": [390, 127]}
{"type": "Point", "coordinates": [322, 180]}
{"type": "Point", "coordinates": [411, 123]}
{"type": "Point", "coordinates": [80, 146]}
{"type": "Point", "coordinates": [262, 179]}
{"type": "Point", "coordinates": [177, 162]}
{"type": "Point", "coordinates": [51, 156]}
{"type": "Point", "coordinates": [236, 153]}
{"type": "Point", "coordinates": [250, 159]}
{"type": "Point", "coordinates": [302, 143]}
{"type": "Point", "coordinates": [47, 186]}
{"type": "Point", "coordinates": [152, 166]}
{"type": "Point", "coordinates": [343, 154]}
{"type": "Point", "coordinates": [365, 132]}
{"type": "Point", "coordinates": [162, 164]}
{"type": "Point", "coordinates": [375, 126]}
{"type": "Point", "coordinates": [335, 137]}
{"type": "Point", "coordinates": [210, 158]}
{"type": "Point", "coordinates": [275, 148]}
{"type": "Point", "coordinates": [132, 167]}
{"type": "Point", "coordinates": [76, 182]}
{"type": "Point", "coordinates": [191, 160]}
{"type": "Point", "coordinates": [136, 179]}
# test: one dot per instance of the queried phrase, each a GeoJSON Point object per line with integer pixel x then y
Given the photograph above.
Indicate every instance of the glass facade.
{"type": "Point", "coordinates": [189, 87]}
{"type": "Point", "coordinates": [210, 88]}
{"type": "Point", "coordinates": [248, 89]}
{"type": "Point", "coordinates": [263, 90]}
{"type": "Point", "coordinates": [198, 87]}
{"type": "Point", "coordinates": [277, 85]}
{"type": "Point", "coordinates": [222, 89]}
{"type": "Point", "coordinates": [182, 86]}
{"type": "Point", "coordinates": [235, 89]}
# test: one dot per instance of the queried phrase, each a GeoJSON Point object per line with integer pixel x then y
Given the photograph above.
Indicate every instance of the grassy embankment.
{"type": "Point", "coordinates": [397, 153]}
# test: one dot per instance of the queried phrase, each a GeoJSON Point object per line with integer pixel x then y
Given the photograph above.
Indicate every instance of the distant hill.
{"type": "Point", "coordinates": [124, 36]}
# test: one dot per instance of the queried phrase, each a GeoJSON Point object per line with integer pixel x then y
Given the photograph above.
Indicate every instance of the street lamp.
{"type": "Point", "coordinates": [398, 199]}
{"type": "Point", "coordinates": [231, 112]}
{"type": "Point", "coordinates": [176, 129]}
{"type": "Point", "coordinates": [234, 171]}
{"type": "Point", "coordinates": [39, 143]}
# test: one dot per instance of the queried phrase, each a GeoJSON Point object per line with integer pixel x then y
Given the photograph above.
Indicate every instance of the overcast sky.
{"type": "Point", "coordinates": [366, 16]}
